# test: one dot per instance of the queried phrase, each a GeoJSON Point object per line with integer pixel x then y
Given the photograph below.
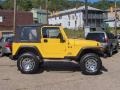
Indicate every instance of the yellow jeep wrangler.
{"type": "Point", "coordinates": [34, 44]}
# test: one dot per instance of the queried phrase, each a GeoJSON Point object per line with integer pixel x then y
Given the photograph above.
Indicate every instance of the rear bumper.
{"type": "Point", "coordinates": [7, 51]}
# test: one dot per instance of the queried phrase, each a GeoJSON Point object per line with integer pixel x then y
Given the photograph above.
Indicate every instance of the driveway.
{"type": "Point", "coordinates": [60, 75]}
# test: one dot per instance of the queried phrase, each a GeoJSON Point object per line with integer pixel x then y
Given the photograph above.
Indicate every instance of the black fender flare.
{"type": "Point", "coordinates": [23, 49]}
{"type": "Point", "coordinates": [95, 50]}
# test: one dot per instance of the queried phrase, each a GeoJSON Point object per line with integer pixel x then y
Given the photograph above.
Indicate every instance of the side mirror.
{"type": "Point", "coordinates": [61, 38]}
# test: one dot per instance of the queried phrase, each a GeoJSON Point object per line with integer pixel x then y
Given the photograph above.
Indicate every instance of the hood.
{"type": "Point", "coordinates": [84, 43]}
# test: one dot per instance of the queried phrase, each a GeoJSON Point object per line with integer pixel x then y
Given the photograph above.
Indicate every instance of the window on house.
{"type": "Point", "coordinates": [75, 14]}
{"type": "Point", "coordinates": [69, 16]}
{"type": "Point", "coordinates": [73, 17]}
{"type": "Point", "coordinates": [75, 23]}
{"type": "Point", "coordinates": [60, 17]}
{"type": "Point", "coordinates": [55, 17]}
{"type": "Point", "coordinates": [69, 23]}
{"type": "Point", "coordinates": [1, 18]}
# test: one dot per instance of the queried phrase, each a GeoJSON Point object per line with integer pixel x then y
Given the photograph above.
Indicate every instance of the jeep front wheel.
{"type": "Point", "coordinates": [28, 63]}
{"type": "Point", "coordinates": [90, 64]}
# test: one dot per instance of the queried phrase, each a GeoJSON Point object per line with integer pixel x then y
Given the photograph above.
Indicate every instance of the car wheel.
{"type": "Point", "coordinates": [28, 63]}
{"type": "Point", "coordinates": [117, 49]}
{"type": "Point", "coordinates": [110, 52]}
{"type": "Point", "coordinates": [1, 52]}
{"type": "Point", "coordinates": [90, 64]}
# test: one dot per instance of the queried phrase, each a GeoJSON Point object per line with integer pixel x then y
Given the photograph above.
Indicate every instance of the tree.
{"type": "Point", "coordinates": [21, 4]}
{"type": "Point", "coordinates": [105, 4]}
{"type": "Point", "coordinates": [24, 5]}
{"type": "Point", "coordinates": [8, 4]}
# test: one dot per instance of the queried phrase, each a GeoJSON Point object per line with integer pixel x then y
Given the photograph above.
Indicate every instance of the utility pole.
{"type": "Point", "coordinates": [14, 17]}
{"type": "Point", "coordinates": [115, 17]}
{"type": "Point", "coordinates": [86, 27]}
{"type": "Point", "coordinates": [47, 9]}
{"type": "Point", "coordinates": [86, 13]}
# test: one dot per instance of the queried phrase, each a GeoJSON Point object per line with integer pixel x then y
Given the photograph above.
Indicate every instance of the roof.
{"type": "Point", "coordinates": [82, 8]}
{"type": "Point", "coordinates": [42, 11]}
{"type": "Point", "coordinates": [37, 25]}
{"type": "Point", "coordinates": [108, 10]}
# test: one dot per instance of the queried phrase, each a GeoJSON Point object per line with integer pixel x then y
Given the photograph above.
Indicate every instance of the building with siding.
{"type": "Point", "coordinates": [111, 18]}
{"type": "Point", "coordinates": [75, 18]}
{"type": "Point", "coordinates": [39, 16]}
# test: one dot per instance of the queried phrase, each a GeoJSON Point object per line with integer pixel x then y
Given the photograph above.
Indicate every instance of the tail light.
{"type": "Point", "coordinates": [8, 45]}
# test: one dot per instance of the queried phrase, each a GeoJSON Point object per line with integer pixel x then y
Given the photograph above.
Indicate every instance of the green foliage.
{"type": "Point", "coordinates": [21, 4]}
{"type": "Point", "coordinates": [74, 33]}
{"type": "Point", "coordinates": [105, 4]}
{"type": "Point", "coordinates": [53, 5]}
{"type": "Point", "coordinates": [56, 5]}
{"type": "Point", "coordinates": [24, 5]}
{"type": "Point", "coordinates": [8, 4]}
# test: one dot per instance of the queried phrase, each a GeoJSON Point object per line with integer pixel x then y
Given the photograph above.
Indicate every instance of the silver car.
{"type": "Point", "coordinates": [5, 45]}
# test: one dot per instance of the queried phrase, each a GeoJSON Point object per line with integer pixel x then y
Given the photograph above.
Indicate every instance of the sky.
{"type": "Point", "coordinates": [88, 0]}
{"type": "Point", "coordinates": [93, 0]}
{"type": "Point", "coordinates": [81, 0]}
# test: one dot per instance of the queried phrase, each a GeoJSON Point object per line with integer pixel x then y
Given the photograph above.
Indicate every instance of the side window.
{"type": "Point", "coordinates": [28, 34]}
{"type": "Point", "coordinates": [49, 32]}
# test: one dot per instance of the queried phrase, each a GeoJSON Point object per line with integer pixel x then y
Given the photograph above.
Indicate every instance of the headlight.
{"type": "Point", "coordinates": [99, 44]}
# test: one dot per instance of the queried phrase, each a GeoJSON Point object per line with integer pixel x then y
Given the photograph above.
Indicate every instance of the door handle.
{"type": "Point", "coordinates": [45, 40]}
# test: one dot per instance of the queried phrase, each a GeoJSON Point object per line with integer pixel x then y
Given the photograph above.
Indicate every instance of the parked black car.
{"type": "Point", "coordinates": [108, 41]}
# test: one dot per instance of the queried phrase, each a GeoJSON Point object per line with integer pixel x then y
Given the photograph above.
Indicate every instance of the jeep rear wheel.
{"type": "Point", "coordinates": [28, 63]}
{"type": "Point", "coordinates": [90, 64]}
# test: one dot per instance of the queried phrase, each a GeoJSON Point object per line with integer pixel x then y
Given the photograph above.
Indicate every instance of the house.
{"type": "Point", "coordinates": [39, 16]}
{"type": "Point", "coordinates": [75, 18]}
{"type": "Point", "coordinates": [6, 20]}
{"type": "Point", "coordinates": [110, 21]}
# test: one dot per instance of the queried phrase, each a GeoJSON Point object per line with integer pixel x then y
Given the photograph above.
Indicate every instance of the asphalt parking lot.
{"type": "Point", "coordinates": [60, 75]}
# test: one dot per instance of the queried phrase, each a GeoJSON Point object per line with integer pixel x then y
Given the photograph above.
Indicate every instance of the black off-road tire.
{"type": "Point", "coordinates": [84, 60]}
{"type": "Point", "coordinates": [35, 60]}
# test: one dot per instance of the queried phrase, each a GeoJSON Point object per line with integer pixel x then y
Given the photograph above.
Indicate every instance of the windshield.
{"type": "Point", "coordinates": [96, 36]}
